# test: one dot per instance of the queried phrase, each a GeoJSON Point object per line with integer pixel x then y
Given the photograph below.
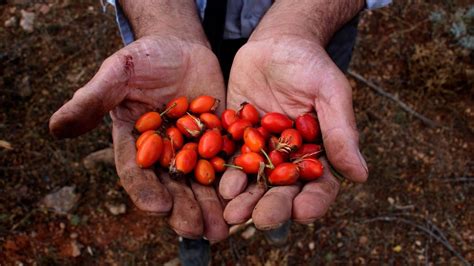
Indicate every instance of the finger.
{"type": "Point", "coordinates": [232, 183]}
{"type": "Point", "coordinates": [215, 228]}
{"type": "Point", "coordinates": [339, 131]}
{"type": "Point", "coordinates": [91, 102]}
{"type": "Point", "coordinates": [315, 198]}
{"type": "Point", "coordinates": [142, 185]}
{"type": "Point", "coordinates": [186, 216]}
{"type": "Point", "coordinates": [274, 208]}
{"type": "Point", "coordinates": [240, 208]}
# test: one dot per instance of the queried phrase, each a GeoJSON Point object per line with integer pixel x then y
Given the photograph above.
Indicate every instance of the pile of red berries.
{"type": "Point", "coordinates": [189, 137]}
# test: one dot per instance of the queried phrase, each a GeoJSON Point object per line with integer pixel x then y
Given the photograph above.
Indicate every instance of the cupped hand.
{"type": "Point", "coordinates": [293, 75]}
{"type": "Point", "coordinates": [142, 77]}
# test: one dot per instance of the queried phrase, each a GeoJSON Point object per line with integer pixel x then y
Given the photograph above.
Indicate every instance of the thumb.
{"type": "Point", "coordinates": [338, 126]}
{"type": "Point", "coordinates": [91, 102]}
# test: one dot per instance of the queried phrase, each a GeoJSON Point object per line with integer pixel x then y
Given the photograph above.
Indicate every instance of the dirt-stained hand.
{"type": "Point", "coordinates": [293, 76]}
{"type": "Point", "coordinates": [138, 78]}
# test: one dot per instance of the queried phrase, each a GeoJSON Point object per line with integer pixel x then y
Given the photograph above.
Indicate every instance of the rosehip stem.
{"type": "Point", "coordinates": [270, 164]}
{"type": "Point", "coordinates": [307, 155]}
{"type": "Point", "coordinates": [261, 178]}
{"type": "Point", "coordinates": [234, 166]}
{"type": "Point", "coordinates": [168, 109]}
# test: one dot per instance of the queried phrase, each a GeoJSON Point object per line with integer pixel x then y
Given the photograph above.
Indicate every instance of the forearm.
{"type": "Point", "coordinates": [317, 20]}
{"type": "Point", "coordinates": [164, 17]}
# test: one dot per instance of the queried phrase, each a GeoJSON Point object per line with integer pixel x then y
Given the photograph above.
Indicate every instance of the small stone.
{"type": "Point", "coordinates": [11, 22]}
{"type": "Point", "coordinates": [397, 249]}
{"type": "Point", "coordinates": [27, 21]}
{"type": "Point", "coordinates": [363, 240]}
{"type": "Point", "coordinates": [248, 233]}
{"type": "Point", "coordinates": [62, 226]}
{"type": "Point", "coordinates": [76, 249]}
{"type": "Point", "coordinates": [5, 145]}
{"type": "Point", "coordinates": [339, 245]}
{"type": "Point", "coordinates": [173, 262]}
{"type": "Point", "coordinates": [73, 235]}
{"type": "Point", "coordinates": [61, 201]}
{"type": "Point", "coordinates": [390, 200]}
{"type": "Point", "coordinates": [311, 245]}
{"type": "Point", "coordinates": [24, 89]}
{"type": "Point", "coordinates": [300, 244]}
{"type": "Point", "coordinates": [418, 243]}
{"type": "Point", "coordinates": [44, 9]}
{"type": "Point", "coordinates": [93, 160]}
{"type": "Point", "coordinates": [89, 250]}
{"type": "Point", "coordinates": [116, 209]}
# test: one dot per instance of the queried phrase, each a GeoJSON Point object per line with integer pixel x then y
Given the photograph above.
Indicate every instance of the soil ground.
{"type": "Point", "coordinates": [416, 208]}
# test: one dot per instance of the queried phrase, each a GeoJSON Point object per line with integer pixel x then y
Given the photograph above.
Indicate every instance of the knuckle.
{"type": "Point", "coordinates": [330, 187]}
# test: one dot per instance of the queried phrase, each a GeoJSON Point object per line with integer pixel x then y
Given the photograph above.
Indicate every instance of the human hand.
{"type": "Point", "coordinates": [138, 78]}
{"type": "Point", "coordinates": [292, 75]}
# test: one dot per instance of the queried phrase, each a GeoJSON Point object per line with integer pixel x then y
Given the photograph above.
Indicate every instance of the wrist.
{"type": "Point", "coordinates": [314, 20]}
{"type": "Point", "coordinates": [176, 18]}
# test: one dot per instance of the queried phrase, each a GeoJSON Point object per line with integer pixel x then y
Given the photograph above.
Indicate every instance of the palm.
{"type": "Point", "coordinates": [159, 70]}
{"type": "Point", "coordinates": [141, 77]}
{"type": "Point", "coordinates": [292, 76]}
{"type": "Point", "coordinates": [284, 78]}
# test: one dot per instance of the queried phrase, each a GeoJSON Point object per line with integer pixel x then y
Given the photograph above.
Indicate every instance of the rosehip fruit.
{"type": "Point", "coordinates": [236, 130]}
{"type": "Point", "coordinates": [218, 163]}
{"type": "Point", "coordinates": [180, 107]}
{"type": "Point", "coordinates": [284, 174]}
{"type": "Point", "coordinates": [210, 120]}
{"type": "Point", "coordinates": [149, 151]}
{"type": "Point", "coordinates": [253, 139]}
{"type": "Point", "coordinates": [228, 117]}
{"type": "Point", "coordinates": [190, 126]}
{"type": "Point", "coordinates": [265, 134]}
{"type": "Point", "coordinates": [142, 137]}
{"type": "Point", "coordinates": [228, 146]}
{"type": "Point", "coordinates": [167, 154]}
{"type": "Point", "coordinates": [176, 137]}
{"type": "Point", "coordinates": [204, 104]}
{"type": "Point", "coordinates": [290, 140]}
{"type": "Point", "coordinates": [248, 112]}
{"type": "Point", "coordinates": [204, 172]}
{"type": "Point", "coordinates": [190, 146]}
{"type": "Point", "coordinates": [249, 162]}
{"type": "Point", "coordinates": [184, 162]}
{"type": "Point", "coordinates": [308, 127]}
{"type": "Point", "coordinates": [210, 144]}
{"type": "Point", "coordinates": [306, 150]}
{"type": "Point", "coordinates": [310, 169]}
{"type": "Point", "coordinates": [276, 122]}
{"type": "Point", "coordinates": [148, 121]}
{"type": "Point", "coordinates": [245, 149]}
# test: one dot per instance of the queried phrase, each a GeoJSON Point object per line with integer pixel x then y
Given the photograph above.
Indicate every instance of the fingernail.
{"type": "Point", "coordinates": [362, 161]}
